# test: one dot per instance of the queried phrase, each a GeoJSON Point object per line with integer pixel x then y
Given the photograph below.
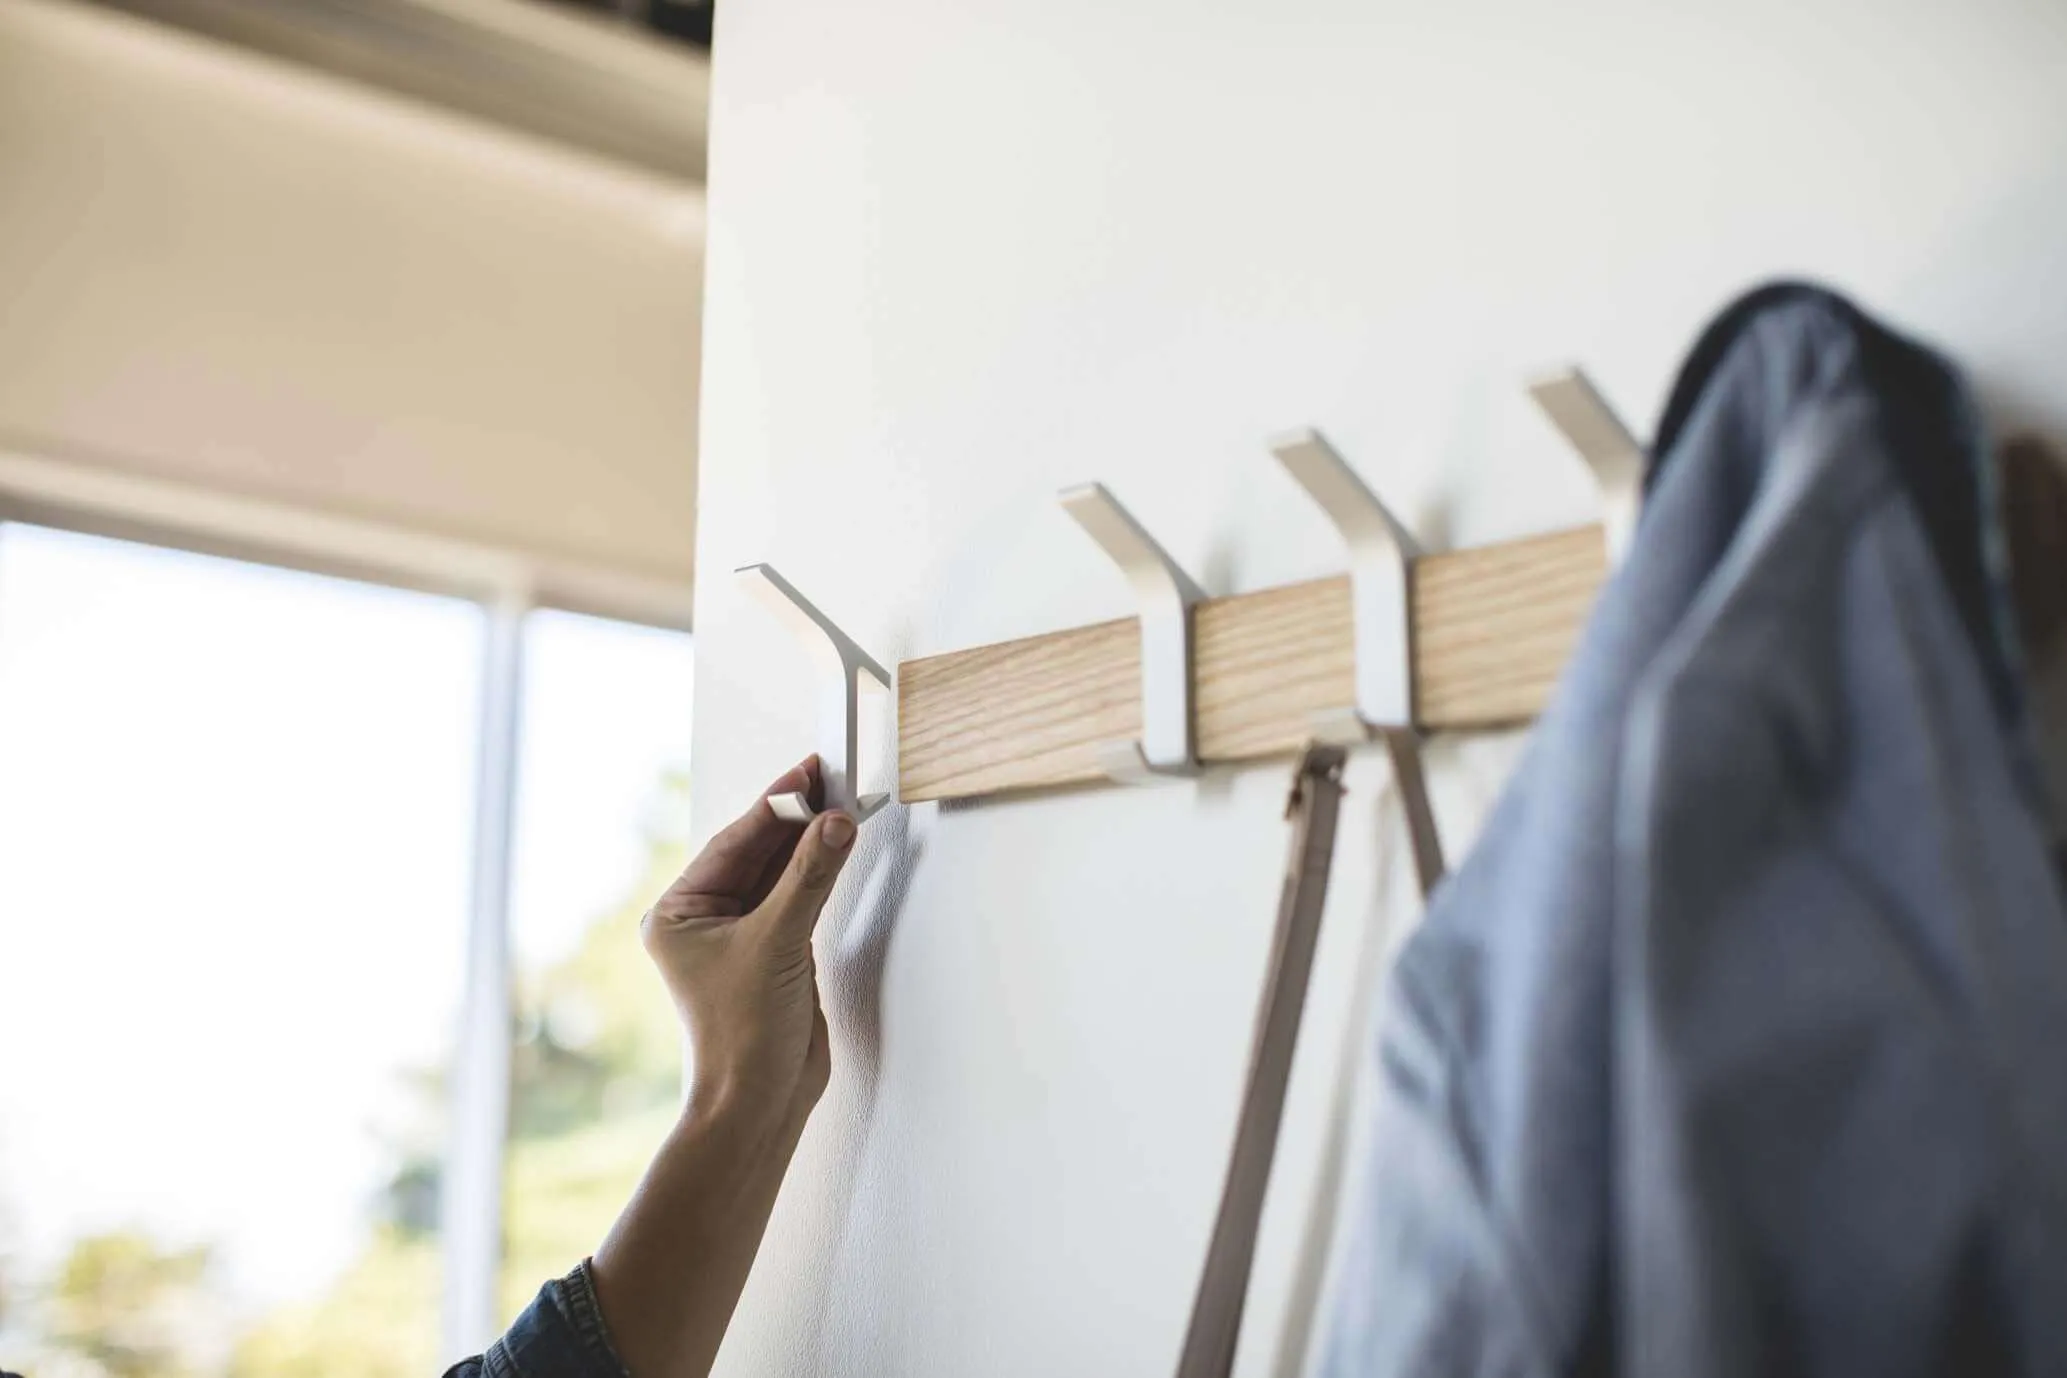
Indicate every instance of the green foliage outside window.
{"type": "Point", "coordinates": [595, 1080]}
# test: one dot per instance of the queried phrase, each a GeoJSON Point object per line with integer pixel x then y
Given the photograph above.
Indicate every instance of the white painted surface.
{"type": "Point", "coordinates": [963, 253]}
{"type": "Point", "coordinates": [470, 1219]}
{"type": "Point", "coordinates": [224, 272]}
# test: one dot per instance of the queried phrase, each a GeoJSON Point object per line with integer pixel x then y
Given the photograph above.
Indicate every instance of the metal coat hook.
{"type": "Point", "coordinates": [1575, 406]}
{"type": "Point", "coordinates": [839, 726]}
{"type": "Point", "coordinates": [1381, 555]}
{"type": "Point", "coordinates": [1164, 594]}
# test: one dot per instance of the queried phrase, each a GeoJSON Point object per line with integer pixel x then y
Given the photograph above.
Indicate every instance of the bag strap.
{"type": "Point", "coordinates": [1216, 1314]}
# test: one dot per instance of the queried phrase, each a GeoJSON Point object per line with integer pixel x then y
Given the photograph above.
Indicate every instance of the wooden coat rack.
{"type": "Point", "coordinates": [1483, 634]}
{"type": "Point", "coordinates": [1492, 628]}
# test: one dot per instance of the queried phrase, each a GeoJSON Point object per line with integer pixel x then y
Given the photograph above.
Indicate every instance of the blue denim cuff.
{"type": "Point", "coordinates": [560, 1335]}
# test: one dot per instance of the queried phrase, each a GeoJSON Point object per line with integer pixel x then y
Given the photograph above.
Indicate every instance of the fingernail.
{"type": "Point", "coordinates": [839, 831]}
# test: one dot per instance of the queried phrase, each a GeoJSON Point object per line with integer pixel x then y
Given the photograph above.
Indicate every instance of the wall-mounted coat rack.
{"type": "Point", "coordinates": [1452, 640]}
{"type": "Point", "coordinates": [1491, 629]}
{"type": "Point", "coordinates": [1407, 642]}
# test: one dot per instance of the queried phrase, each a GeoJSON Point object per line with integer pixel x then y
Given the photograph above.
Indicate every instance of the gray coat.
{"type": "Point", "coordinates": [1735, 1046]}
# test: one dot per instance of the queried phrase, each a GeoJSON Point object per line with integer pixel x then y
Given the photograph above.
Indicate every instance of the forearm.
{"type": "Point", "coordinates": [671, 1271]}
{"type": "Point", "coordinates": [732, 939]}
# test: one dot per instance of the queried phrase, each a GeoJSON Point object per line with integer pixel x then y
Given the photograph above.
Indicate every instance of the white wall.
{"type": "Point", "coordinates": [221, 271]}
{"type": "Point", "coordinates": [963, 252]}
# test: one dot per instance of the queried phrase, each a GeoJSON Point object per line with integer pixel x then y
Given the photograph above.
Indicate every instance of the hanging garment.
{"type": "Point", "coordinates": [1733, 1048]}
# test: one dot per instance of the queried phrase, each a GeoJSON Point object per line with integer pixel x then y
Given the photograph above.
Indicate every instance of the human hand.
{"type": "Point", "coordinates": [732, 939]}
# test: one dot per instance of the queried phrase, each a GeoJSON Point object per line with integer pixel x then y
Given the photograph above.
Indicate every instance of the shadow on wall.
{"type": "Point", "coordinates": [856, 944]}
{"type": "Point", "coordinates": [863, 941]}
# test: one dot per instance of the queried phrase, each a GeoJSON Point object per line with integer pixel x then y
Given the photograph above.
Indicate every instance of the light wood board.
{"type": "Point", "coordinates": [1493, 627]}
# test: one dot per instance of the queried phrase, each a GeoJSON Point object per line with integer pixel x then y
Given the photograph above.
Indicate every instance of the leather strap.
{"type": "Point", "coordinates": [1403, 745]}
{"type": "Point", "coordinates": [1216, 1314]}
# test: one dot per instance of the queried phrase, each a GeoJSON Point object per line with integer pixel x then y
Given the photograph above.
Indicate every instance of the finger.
{"type": "Point", "coordinates": [771, 871]}
{"type": "Point", "coordinates": [793, 906]}
{"type": "Point", "coordinates": [778, 860]}
{"type": "Point", "coordinates": [733, 862]}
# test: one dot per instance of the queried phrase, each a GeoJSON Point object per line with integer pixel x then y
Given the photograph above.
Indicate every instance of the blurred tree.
{"type": "Point", "coordinates": [379, 1320]}
{"type": "Point", "coordinates": [132, 1309]}
{"type": "Point", "coordinates": [595, 1078]}
{"type": "Point", "coordinates": [596, 1037]}
{"type": "Point", "coordinates": [563, 1192]}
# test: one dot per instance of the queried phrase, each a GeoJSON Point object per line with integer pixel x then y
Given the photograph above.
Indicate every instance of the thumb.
{"type": "Point", "coordinates": [793, 906]}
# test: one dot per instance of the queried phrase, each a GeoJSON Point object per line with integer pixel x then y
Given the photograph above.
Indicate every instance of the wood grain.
{"type": "Point", "coordinates": [1493, 626]}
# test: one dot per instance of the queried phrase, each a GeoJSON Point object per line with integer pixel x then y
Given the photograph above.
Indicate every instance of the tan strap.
{"type": "Point", "coordinates": [1216, 1314]}
{"type": "Point", "coordinates": [1403, 745]}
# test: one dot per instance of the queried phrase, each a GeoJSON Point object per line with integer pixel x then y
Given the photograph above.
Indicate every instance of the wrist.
{"type": "Point", "coordinates": [738, 1108]}
{"type": "Point", "coordinates": [670, 1270]}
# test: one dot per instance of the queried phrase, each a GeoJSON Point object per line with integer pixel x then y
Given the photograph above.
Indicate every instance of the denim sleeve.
{"type": "Point", "coordinates": [560, 1335]}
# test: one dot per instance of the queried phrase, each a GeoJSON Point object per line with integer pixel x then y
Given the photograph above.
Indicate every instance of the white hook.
{"type": "Point", "coordinates": [1380, 548]}
{"type": "Point", "coordinates": [1591, 427]}
{"type": "Point", "coordinates": [1381, 555]}
{"type": "Point", "coordinates": [1164, 595]}
{"type": "Point", "coordinates": [845, 665]}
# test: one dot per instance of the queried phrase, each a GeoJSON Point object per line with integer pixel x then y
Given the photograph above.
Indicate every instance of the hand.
{"type": "Point", "coordinates": [732, 939]}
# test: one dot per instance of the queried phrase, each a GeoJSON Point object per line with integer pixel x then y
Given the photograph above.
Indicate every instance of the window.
{"type": "Point", "coordinates": [602, 827]}
{"type": "Point", "coordinates": [238, 819]}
